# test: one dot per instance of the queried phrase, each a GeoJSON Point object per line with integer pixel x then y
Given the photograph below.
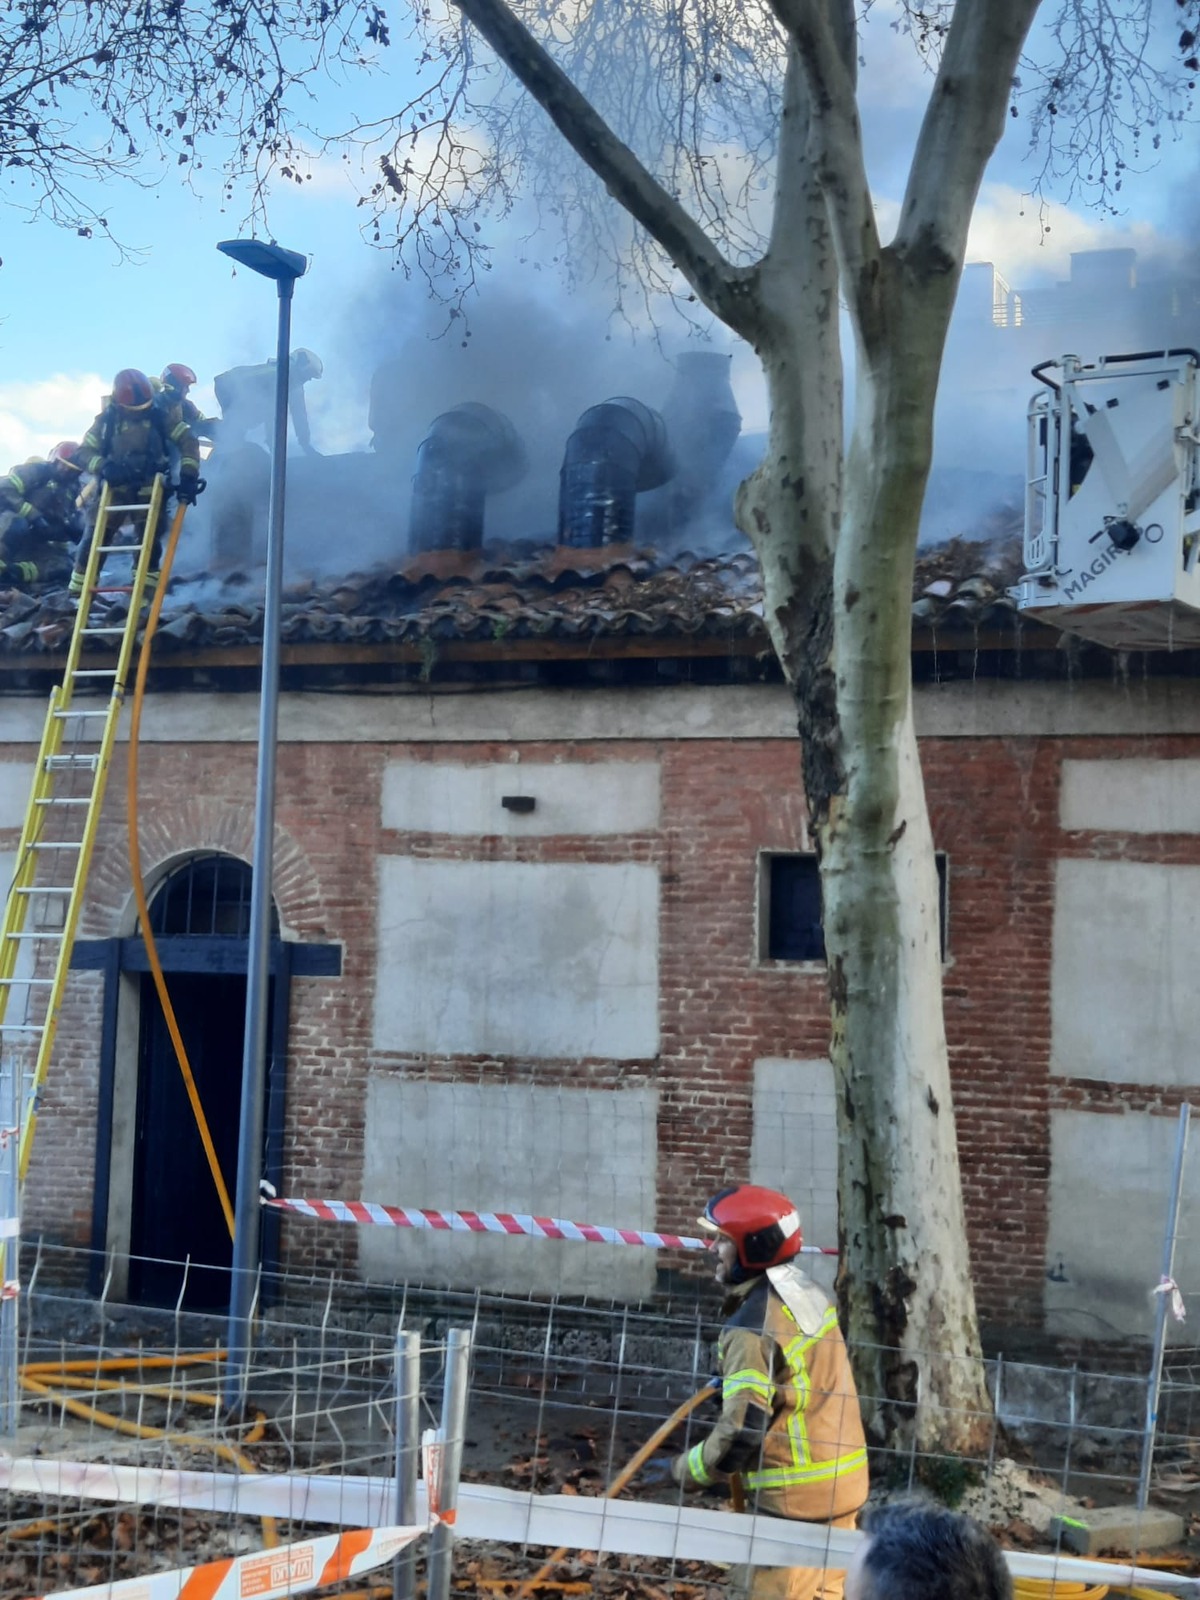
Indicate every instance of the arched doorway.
{"type": "Point", "coordinates": [200, 917]}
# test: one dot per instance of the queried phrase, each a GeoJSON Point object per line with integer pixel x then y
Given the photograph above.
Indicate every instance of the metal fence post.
{"type": "Point", "coordinates": [408, 1454]}
{"type": "Point", "coordinates": [454, 1416]}
{"type": "Point", "coordinates": [1154, 1383]}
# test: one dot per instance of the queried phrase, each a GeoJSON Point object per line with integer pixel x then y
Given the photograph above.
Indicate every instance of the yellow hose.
{"type": "Point", "coordinates": [1056, 1589]}
{"type": "Point", "coordinates": [135, 868]}
{"type": "Point", "coordinates": [629, 1471]}
{"type": "Point", "coordinates": [71, 1373]}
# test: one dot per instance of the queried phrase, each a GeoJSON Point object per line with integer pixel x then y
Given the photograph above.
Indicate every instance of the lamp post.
{"type": "Point", "coordinates": [284, 267]}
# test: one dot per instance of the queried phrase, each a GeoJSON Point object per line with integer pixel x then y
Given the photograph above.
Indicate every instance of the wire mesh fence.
{"type": "Point", "coordinates": [562, 1392]}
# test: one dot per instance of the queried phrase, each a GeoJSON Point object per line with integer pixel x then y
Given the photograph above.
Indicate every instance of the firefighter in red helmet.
{"type": "Point", "coordinates": [174, 382]}
{"type": "Point", "coordinates": [129, 444]}
{"type": "Point", "coordinates": [790, 1424]}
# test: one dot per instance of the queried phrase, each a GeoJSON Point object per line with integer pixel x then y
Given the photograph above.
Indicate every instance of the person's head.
{"type": "Point", "coordinates": [65, 459]}
{"type": "Point", "coordinates": [132, 390]}
{"type": "Point", "coordinates": [918, 1550]}
{"type": "Point", "coordinates": [177, 379]}
{"type": "Point", "coordinates": [751, 1229]}
{"type": "Point", "coordinates": [305, 365]}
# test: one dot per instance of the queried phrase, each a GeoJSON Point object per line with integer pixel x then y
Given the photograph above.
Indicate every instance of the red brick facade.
{"type": "Point", "coordinates": [994, 806]}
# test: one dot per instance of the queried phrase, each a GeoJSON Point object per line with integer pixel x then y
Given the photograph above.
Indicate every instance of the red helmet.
{"type": "Point", "coordinates": [132, 389]}
{"type": "Point", "coordinates": [176, 376]}
{"type": "Point", "coordinates": [64, 454]}
{"type": "Point", "coordinates": [763, 1224]}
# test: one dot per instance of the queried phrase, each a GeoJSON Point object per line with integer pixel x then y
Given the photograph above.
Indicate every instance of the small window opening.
{"type": "Point", "coordinates": [207, 896]}
{"type": "Point", "coordinates": [791, 927]}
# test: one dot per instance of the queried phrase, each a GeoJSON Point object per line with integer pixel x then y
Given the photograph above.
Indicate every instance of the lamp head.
{"type": "Point", "coordinates": [270, 260]}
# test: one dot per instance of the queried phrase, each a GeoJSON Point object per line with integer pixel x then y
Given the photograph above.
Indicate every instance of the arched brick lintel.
{"type": "Point", "coordinates": [173, 834]}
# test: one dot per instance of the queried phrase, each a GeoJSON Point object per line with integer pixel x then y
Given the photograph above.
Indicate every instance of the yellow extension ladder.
{"type": "Point", "coordinates": [49, 879]}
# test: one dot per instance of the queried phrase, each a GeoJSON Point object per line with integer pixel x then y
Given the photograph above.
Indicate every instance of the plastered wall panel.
{"type": "Point", "coordinates": [794, 1148]}
{"type": "Point", "coordinates": [570, 797]}
{"type": "Point", "coordinates": [1118, 1168]}
{"type": "Point", "coordinates": [1131, 796]}
{"type": "Point", "coordinates": [517, 958]}
{"type": "Point", "coordinates": [583, 1155]}
{"type": "Point", "coordinates": [16, 783]}
{"type": "Point", "coordinates": [1125, 1004]}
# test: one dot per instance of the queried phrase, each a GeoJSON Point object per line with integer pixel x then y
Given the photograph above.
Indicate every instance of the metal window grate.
{"type": "Point", "coordinates": [208, 896]}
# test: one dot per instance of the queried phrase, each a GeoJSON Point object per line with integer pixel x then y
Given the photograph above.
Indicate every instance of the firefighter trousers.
{"type": "Point", "coordinates": [792, 1583]}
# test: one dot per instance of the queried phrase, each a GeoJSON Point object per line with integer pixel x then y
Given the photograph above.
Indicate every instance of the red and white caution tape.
{"type": "Point", "coordinates": [1168, 1286]}
{"type": "Point", "coordinates": [515, 1223]}
{"type": "Point", "coordinates": [268, 1574]}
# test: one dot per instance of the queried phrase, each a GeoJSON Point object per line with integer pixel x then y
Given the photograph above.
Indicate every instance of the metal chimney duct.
{"type": "Point", "coordinates": [703, 424]}
{"type": "Point", "coordinates": [618, 450]}
{"type": "Point", "coordinates": [468, 453]}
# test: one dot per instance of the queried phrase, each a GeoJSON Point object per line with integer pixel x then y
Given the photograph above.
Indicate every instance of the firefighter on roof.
{"type": "Point", "coordinates": [38, 518]}
{"type": "Point", "coordinates": [128, 445]}
{"type": "Point", "coordinates": [246, 396]}
{"type": "Point", "coordinates": [790, 1424]}
{"type": "Point", "coordinates": [175, 381]}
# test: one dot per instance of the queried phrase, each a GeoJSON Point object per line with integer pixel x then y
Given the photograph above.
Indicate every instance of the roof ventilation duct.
{"type": "Point", "coordinates": [618, 450]}
{"type": "Point", "coordinates": [468, 453]}
{"type": "Point", "coordinates": [703, 423]}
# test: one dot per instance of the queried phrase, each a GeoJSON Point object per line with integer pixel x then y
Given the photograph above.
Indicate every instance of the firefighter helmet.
{"type": "Point", "coordinates": [178, 377]}
{"type": "Point", "coordinates": [305, 365]}
{"type": "Point", "coordinates": [64, 454]}
{"type": "Point", "coordinates": [763, 1224]}
{"type": "Point", "coordinates": [132, 390]}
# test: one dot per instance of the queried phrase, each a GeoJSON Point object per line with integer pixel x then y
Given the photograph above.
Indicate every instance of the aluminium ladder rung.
{"type": "Point", "coordinates": [53, 909]}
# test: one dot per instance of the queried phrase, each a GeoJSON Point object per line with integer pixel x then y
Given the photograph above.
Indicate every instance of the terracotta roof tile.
{"type": "Point", "coordinates": [524, 591]}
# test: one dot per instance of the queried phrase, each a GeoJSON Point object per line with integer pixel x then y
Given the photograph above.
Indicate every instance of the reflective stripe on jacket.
{"type": "Point", "coordinates": [141, 439]}
{"type": "Point", "coordinates": [790, 1421]}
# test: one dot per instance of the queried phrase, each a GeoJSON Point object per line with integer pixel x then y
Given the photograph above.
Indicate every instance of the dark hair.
{"type": "Point", "coordinates": [919, 1550]}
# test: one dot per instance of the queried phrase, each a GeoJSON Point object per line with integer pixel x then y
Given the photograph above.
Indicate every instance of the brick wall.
{"type": "Point", "coordinates": [994, 805]}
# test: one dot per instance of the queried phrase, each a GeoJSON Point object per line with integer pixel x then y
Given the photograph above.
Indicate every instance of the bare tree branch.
{"type": "Point", "coordinates": [719, 284]}
{"type": "Point", "coordinates": [835, 147]}
{"type": "Point", "coordinates": [962, 126]}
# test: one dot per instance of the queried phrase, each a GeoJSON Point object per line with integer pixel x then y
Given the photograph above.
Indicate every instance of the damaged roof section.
{"type": "Point", "coordinates": [592, 598]}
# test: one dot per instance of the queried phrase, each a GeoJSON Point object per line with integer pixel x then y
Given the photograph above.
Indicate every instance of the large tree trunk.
{"type": "Point", "coordinates": [842, 627]}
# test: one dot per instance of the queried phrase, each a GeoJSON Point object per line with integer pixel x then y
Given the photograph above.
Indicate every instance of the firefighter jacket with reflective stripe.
{"type": "Point", "coordinates": [790, 1422]}
{"type": "Point", "coordinates": [203, 427]}
{"type": "Point", "coordinates": [38, 490]}
{"type": "Point", "coordinates": [129, 447]}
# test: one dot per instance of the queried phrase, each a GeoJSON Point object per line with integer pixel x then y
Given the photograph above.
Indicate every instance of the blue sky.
{"type": "Point", "coordinates": [71, 313]}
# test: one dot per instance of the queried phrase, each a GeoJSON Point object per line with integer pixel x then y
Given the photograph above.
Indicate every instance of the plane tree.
{"type": "Point", "coordinates": [725, 150]}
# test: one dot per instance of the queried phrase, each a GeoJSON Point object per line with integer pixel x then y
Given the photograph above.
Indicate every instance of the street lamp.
{"type": "Point", "coordinates": [284, 267]}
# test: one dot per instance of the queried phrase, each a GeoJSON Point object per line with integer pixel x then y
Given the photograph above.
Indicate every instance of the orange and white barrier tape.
{"type": "Point", "coordinates": [265, 1575]}
{"type": "Point", "coordinates": [516, 1223]}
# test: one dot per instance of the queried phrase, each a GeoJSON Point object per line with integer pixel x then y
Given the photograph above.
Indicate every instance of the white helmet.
{"type": "Point", "coordinates": [306, 365]}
